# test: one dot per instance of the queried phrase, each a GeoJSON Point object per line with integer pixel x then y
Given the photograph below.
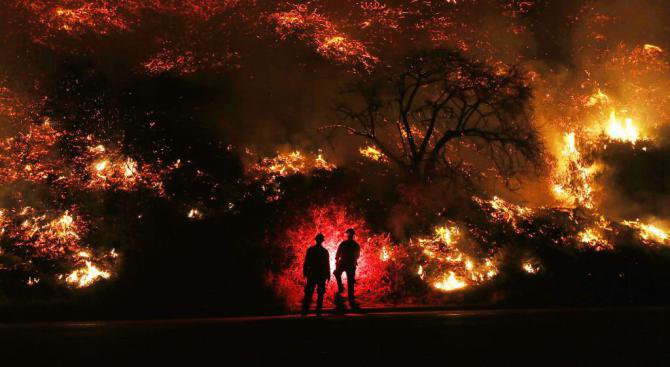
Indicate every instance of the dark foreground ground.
{"type": "Point", "coordinates": [564, 337]}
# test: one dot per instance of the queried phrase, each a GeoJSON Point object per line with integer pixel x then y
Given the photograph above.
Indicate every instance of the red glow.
{"type": "Point", "coordinates": [332, 220]}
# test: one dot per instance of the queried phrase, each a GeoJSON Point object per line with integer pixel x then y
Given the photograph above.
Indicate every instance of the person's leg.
{"type": "Point", "coordinates": [351, 284]}
{"type": "Point", "coordinates": [338, 278]}
{"type": "Point", "coordinates": [320, 291]}
{"type": "Point", "coordinates": [307, 300]}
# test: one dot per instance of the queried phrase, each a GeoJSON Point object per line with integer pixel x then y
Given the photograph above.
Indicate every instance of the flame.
{"type": "Point", "coordinates": [447, 234]}
{"type": "Point", "coordinates": [292, 163]}
{"type": "Point", "coordinates": [573, 177]}
{"type": "Point", "coordinates": [593, 238]}
{"type": "Point", "coordinates": [372, 153]}
{"type": "Point", "coordinates": [502, 211]}
{"type": "Point", "coordinates": [194, 213]}
{"type": "Point", "coordinates": [598, 98]}
{"type": "Point", "coordinates": [530, 268]}
{"type": "Point", "coordinates": [269, 170]}
{"type": "Point", "coordinates": [87, 275]}
{"type": "Point", "coordinates": [385, 254]}
{"type": "Point", "coordinates": [652, 48]}
{"type": "Point", "coordinates": [450, 283]}
{"type": "Point", "coordinates": [625, 132]}
{"type": "Point", "coordinates": [649, 233]}
{"type": "Point", "coordinates": [445, 266]}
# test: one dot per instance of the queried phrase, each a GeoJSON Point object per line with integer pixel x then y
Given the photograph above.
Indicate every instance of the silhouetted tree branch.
{"type": "Point", "coordinates": [441, 112]}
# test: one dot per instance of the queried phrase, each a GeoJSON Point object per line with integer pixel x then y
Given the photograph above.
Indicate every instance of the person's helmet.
{"type": "Point", "coordinates": [350, 231]}
{"type": "Point", "coordinates": [320, 237]}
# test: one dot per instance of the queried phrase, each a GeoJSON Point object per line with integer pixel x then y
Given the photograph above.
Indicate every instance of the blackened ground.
{"type": "Point", "coordinates": [562, 337]}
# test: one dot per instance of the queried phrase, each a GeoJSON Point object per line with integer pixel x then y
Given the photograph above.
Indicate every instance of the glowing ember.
{"type": "Point", "coordinates": [322, 34]}
{"type": "Point", "coordinates": [53, 239]}
{"type": "Point", "coordinates": [269, 170]}
{"type": "Point", "coordinates": [283, 165]}
{"type": "Point", "coordinates": [502, 211]}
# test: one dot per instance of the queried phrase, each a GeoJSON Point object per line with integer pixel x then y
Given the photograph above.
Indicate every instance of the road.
{"type": "Point", "coordinates": [556, 337]}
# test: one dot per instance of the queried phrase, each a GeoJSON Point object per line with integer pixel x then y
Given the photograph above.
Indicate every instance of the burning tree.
{"type": "Point", "coordinates": [443, 115]}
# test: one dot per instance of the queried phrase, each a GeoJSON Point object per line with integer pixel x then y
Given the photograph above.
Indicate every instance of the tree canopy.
{"type": "Point", "coordinates": [441, 115]}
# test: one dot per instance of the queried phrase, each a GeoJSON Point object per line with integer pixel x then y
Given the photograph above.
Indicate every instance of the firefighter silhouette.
{"type": "Point", "coordinates": [346, 260]}
{"type": "Point", "coordinates": [316, 270]}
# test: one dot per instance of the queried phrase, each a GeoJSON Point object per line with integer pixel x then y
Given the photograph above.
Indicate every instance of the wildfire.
{"type": "Point", "coordinates": [33, 154]}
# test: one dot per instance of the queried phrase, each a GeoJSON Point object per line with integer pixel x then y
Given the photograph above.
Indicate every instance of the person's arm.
{"type": "Point", "coordinates": [306, 265]}
{"type": "Point", "coordinates": [338, 254]}
{"type": "Point", "coordinates": [357, 253]}
{"type": "Point", "coordinates": [328, 265]}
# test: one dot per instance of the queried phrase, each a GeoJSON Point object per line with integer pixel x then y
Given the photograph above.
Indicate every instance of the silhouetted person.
{"type": "Point", "coordinates": [346, 260]}
{"type": "Point", "coordinates": [316, 270]}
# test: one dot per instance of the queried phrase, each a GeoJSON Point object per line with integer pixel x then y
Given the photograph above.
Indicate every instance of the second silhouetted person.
{"type": "Point", "coordinates": [346, 260]}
